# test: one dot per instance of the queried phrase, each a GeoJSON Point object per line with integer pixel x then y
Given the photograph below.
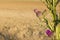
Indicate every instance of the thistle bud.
{"type": "Point", "coordinates": [37, 12]}
{"type": "Point", "coordinates": [49, 32]}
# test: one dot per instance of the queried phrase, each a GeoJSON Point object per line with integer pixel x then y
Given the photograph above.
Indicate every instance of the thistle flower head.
{"type": "Point", "coordinates": [37, 12]}
{"type": "Point", "coordinates": [49, 32]}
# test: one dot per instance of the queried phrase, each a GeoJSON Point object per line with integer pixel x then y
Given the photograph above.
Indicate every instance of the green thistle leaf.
{"type": "Point", "coordinates": [58, 32]}
{"type": "Point", "coordinates": [51, 24]}
{"type": "Point", "coordinates": [55, 2]}
{"type": "Point", "coordinates": [48, 24]}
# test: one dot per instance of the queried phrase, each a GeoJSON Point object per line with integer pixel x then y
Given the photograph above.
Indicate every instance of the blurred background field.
{"type": "Point", "coordinates": [19, 22]}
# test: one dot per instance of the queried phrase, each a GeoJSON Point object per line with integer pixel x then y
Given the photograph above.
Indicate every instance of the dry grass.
{"type": "Point", "coordinates": [19, 22]}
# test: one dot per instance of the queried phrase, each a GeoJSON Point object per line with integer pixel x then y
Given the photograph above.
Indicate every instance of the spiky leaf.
{"type": "Point", "coordinates": [58, 32]}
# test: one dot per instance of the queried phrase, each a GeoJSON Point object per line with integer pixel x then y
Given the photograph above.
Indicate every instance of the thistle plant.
{"type": "Point", "coordinates": [55, 29]}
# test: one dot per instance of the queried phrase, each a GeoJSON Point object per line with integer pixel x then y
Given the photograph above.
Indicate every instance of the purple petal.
{"type": "Point", "coordinates": [49, 32]}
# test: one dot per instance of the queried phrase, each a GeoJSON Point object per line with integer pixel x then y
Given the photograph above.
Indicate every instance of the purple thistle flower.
{"type": "Point", "coordinates": [38, 13]}
{"type": "Point", "coordinates": [49, 32]}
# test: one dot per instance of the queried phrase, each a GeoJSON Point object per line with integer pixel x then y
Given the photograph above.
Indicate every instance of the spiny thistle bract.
{"type": "Point", "coordinates": [51, 5]}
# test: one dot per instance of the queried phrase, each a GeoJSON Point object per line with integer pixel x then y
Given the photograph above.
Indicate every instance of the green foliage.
{"type": "Point", "coordinates": [53, 25]}
{"type": "Point", "coordinates": [58, 32]}
{"type": "Point", "coordinates": [51, 5]}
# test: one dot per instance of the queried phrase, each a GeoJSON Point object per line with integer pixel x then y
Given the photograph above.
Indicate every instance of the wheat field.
{"type": "Point", "coordinates": [19, 22]}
